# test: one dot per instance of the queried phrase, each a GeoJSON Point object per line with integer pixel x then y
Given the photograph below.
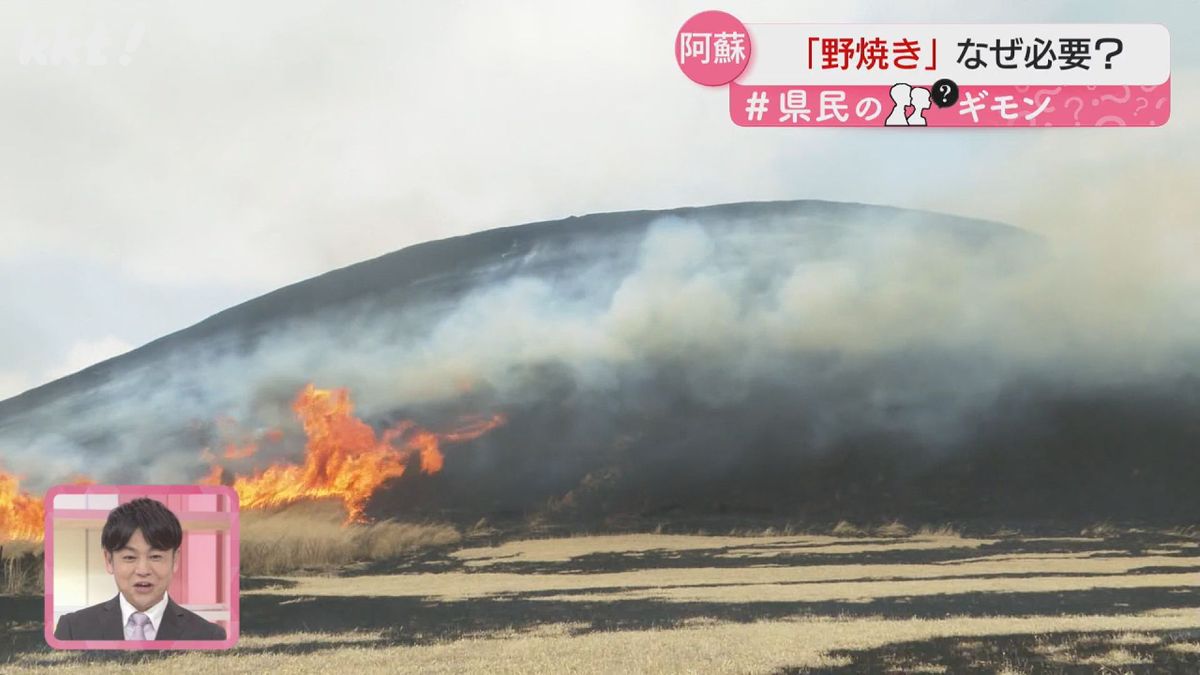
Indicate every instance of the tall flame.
{"type": "Point", "coordinates": [344, 458]}
{"type": "Point", "coordinates": [21, 514]}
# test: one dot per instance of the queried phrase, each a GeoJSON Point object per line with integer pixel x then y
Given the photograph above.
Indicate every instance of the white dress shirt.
{"type": "Point", "coordinates": [155, 613]}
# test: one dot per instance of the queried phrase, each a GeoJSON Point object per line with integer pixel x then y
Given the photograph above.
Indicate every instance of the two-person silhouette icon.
{"type": "Point", "coordinates": [907, 96]}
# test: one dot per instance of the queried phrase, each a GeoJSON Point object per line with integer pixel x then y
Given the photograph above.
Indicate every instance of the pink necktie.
{"type": "Point", "coordinates": [139, 621]}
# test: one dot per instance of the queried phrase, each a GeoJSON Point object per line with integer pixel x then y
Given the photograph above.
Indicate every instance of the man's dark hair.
{"type": "Point", "coordinates": [159, 526]}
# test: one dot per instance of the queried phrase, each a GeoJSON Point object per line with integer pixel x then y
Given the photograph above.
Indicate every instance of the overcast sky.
{"type": "Point", "coordinates": [245, 146]}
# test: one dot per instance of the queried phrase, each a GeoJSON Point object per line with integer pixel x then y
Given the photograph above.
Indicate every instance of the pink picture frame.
{"type": "Point", "coordinates": [214, 526]}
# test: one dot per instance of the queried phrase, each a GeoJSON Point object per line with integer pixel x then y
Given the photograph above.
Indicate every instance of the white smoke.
{"type": "Point", "coordinates": [928, 324]}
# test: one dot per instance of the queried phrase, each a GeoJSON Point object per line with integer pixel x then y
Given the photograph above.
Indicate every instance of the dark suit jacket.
{"type": "Point", "coordinates": [103, 622]}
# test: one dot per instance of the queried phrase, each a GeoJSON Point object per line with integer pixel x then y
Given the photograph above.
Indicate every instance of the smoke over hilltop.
{"type": "Point", "coordinates": [803, 356]}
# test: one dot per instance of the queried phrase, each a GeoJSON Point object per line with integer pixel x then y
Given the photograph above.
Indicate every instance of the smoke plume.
{"type": "Point", "coordinates": [826, 359]}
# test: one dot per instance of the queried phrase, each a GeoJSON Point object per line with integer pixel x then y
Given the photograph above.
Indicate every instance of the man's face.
{"type": "Point", "coordinates": [142, 573]}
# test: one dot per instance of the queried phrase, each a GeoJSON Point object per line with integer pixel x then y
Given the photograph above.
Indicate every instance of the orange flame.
{"type": "Point", "coordinates": [344, 458]}
{"type": "Point", "coordinates": [22, 515]}
{"type": "Point", "coordinates": [234, 451]}
{"type": "Point", "coordinates": [214, 476]}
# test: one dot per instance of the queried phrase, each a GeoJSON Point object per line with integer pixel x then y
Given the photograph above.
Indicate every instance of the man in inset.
{"type": "Point", "coordinates": [141, 542]}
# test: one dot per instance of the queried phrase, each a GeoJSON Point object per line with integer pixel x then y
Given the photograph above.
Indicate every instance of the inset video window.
{"type": "Point", "coordinates": [141, 567]}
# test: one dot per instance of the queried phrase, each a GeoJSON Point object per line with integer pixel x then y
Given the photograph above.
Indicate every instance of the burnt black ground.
{"type": "Point", "coordinates": [395, 621]}
{"type": "Point", "coordinates": [1020, 652]}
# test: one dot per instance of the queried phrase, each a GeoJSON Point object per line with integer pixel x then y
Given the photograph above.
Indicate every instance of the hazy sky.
{"type": "Point", "coordinates": [247, 146]}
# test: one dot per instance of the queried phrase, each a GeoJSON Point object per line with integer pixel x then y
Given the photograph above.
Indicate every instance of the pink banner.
{"type": "Point", "coordinates": [902, 105]}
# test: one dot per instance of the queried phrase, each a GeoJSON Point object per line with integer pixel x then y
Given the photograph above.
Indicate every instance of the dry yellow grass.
{"type": "Point", "coordinates": [21, 567]}
{"type": "Point", "coordinates": [724, 648]}
{"type": "Point", "coordinates": [311, 536]}
{"type": "Point", "coordinates": [18, 548]}
{"type": "Point", "coordinates": [847, 529]}
{"type": "Point", "coordinates": [893, 529]}
{"type": "Point", "coordinates": [1066, 652]}
{"type": "Point", "coordinates": [860, 591]}
{"type": "Point", "coordinates": [1134, 639]}
{"type": "Point", "coordinates": [558, 550]}
{"type": "Point", "coordinates": [750, 583]}
{"type": "Point", "coordinates": [702, 644]}
{"type": "Point", "coordinates": [1114, 658]}
{"type": "Point", "coordinates": [715, 584]}
{"type": "Point", "coordinates": [1059, 652]}
{"type": "Point", "coordinates": [1102, 530]}
{"type": "Point", "coordinates": [834, 546]}
{"type": "Point", "coordinates": [1184, 647]}
{"type": "Point", "coordinates": [941, 531]}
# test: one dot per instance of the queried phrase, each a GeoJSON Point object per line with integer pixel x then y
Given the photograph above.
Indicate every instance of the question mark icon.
{"type": "Point", "coordinates": [945, 93]}
{"type": "Point", "coordinates": [1109, 56]}
{"type": "Point", "coordinates": [1067, 105]}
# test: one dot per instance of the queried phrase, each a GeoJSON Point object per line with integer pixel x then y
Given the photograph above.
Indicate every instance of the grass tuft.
{"type": "Point", "coordinates": [1114, 658]}
{"type": "Point", "coordinates": [21, 568]}
{"type": "Point", "coordinates": [1101, 531]}
{"type": "Point", "coordinates": [847, 529]}
{"type": "Point", "coordinates": [893, 529]}
{"type": "Point", "coordinates": [944, 531]}
{"type": "Point", "coordinates": [311, 537]}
